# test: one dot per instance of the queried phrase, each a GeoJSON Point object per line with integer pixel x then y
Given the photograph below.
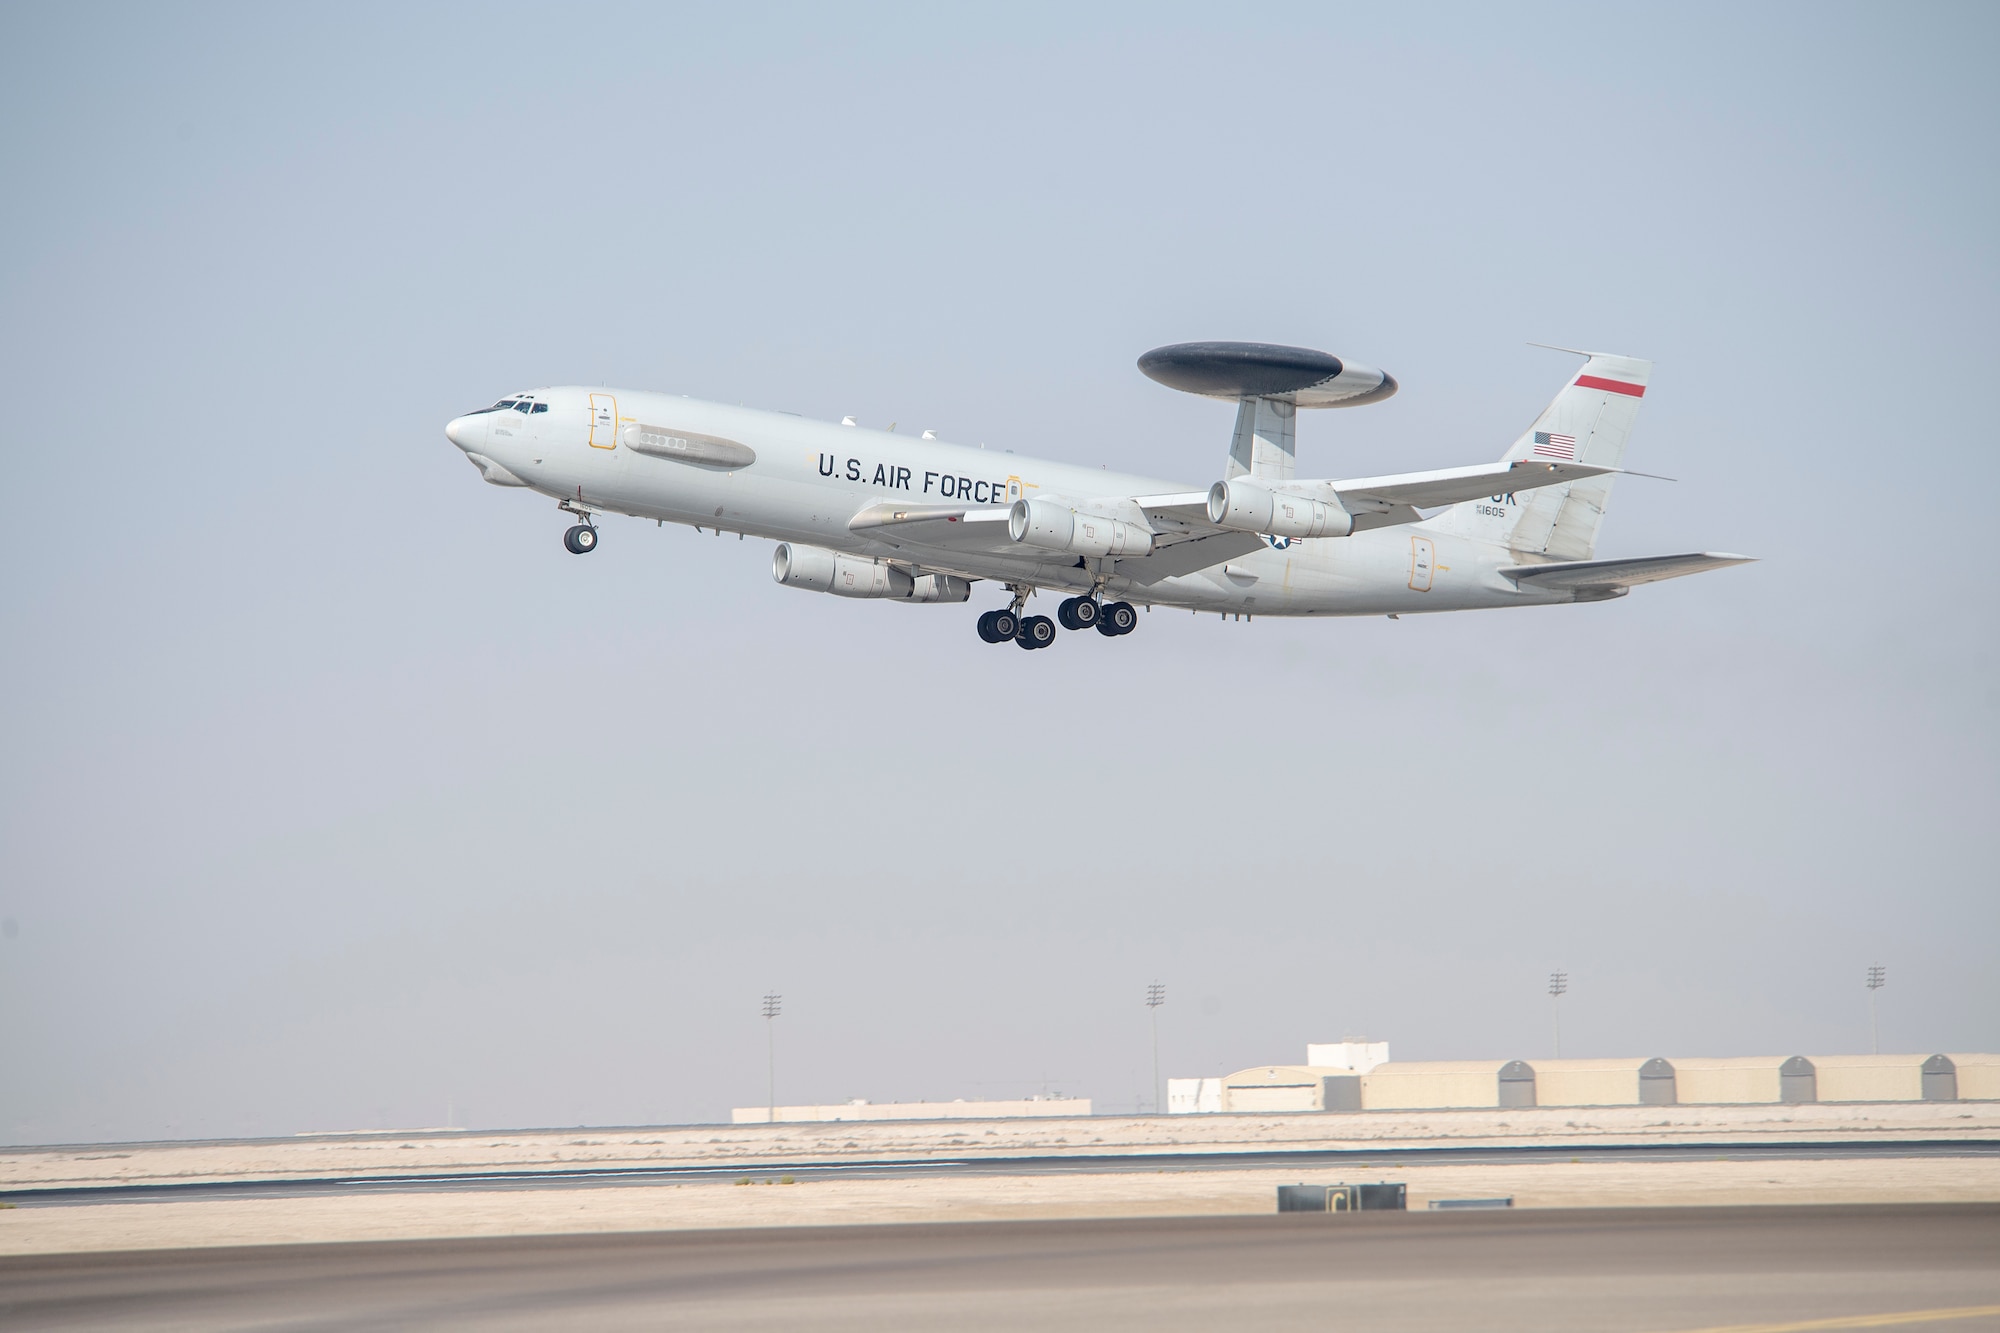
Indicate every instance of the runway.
{"type": "Point", "coordinates": [1619, 1270]}
{"type": "Point", "coordinates": [1352, 1160]}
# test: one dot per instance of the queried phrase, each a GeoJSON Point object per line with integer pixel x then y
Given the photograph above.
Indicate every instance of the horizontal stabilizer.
{"type": "Point", "coordinates": [1454, 485]}
{"type": "Point", "coordinates": [1605, 575]}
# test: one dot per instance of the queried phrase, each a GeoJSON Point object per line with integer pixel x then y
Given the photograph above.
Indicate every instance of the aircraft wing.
{"type": "Point", "coordinates": [1184, 539]}
{"type": "Point", "coordinates": [1588, 575]}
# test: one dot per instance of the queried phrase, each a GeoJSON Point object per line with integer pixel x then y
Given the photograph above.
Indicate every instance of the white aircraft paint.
{"type": "Point", "coordinates": [876, 514]}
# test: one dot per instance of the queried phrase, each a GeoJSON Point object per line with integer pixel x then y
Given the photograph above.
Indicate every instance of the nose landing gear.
{"type": "Point", "coordinates": [581, 539]}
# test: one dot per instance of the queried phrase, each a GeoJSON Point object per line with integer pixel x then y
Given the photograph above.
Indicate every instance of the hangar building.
{"type": "Point", "coordinates": [1346, 1083]}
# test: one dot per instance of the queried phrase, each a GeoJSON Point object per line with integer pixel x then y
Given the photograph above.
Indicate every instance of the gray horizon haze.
{"type": "Point", "coordinates": [337, 795]}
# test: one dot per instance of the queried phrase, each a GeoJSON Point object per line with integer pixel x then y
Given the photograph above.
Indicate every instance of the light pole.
{"type": "Point", "coordinates": [773, 1002]}
{"type": "Point", "coordinates": [1558, 987]}
{"type": "Point", "coordinates": [1156, 995]}
{"type": "Point", "coordinates": [1878, 977]}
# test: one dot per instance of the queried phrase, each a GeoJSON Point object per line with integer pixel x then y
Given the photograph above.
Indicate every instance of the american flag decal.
{"type": "Point", "coordinates": [1549, 445]}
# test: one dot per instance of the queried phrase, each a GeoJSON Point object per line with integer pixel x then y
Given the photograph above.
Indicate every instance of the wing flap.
{"type": "Point", "coordinates": [1187, 555]}
{"type": "Point", "coordinates": [941, 527]}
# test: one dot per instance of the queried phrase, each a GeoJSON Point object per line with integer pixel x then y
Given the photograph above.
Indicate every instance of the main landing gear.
{"type": "Point", "coordinates": [1109, 619]}
{"type": "Point", "coordinates": [999, 626]}
{"type": "Point", "coordinates": [1028, 631]}
{"type": "Point", "coordinates": [1077, 613]}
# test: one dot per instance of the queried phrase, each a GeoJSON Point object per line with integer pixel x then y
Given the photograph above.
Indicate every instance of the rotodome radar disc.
{"type": "Point", "coordinates": [1299, 375]}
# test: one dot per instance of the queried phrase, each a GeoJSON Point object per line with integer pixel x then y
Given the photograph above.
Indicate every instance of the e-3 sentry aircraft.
{"type": "Point", "coordinates": [875, 514]}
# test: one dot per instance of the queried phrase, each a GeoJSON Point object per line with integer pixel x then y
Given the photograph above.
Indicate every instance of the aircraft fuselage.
{"type": "Point", "coordinates": [810, 478]}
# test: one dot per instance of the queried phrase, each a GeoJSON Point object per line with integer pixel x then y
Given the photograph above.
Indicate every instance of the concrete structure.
{"type": "Point", "coordinates": [1346, 1077]}
{"type": "Point", "coordinates": [1737, 1080]}
{"type": "Point", "coordinates": [1391, 1086]}
{"type": "Point", "coordinates": [1359, 1055]}
{"type": "Point", "coordinates": [1517, 1083]}
{"type": "Point", "coordinates": [1433, 1084]}
{"type": "Point", "coordinates": [1624, 1082]}
{"type": "Point", "coordinates": [1291, 1088]}
{"type": "Point", "coordinates": [1978, 1077]}
{"type": "Point", "coordinates": [1189, 1096]}
{"type": "Point", "coordinates": [1869, 1078]}
{"type": "Point", "coordinates": [860, 1109]}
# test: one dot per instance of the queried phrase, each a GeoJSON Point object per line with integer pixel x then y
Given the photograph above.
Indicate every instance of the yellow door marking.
{"type": "Point", "coordinates": [1423, 555]}
{"type": "Point", "coordinates": [1861, 1320]}
{"type": "Point", "coordinates": [603, 421]}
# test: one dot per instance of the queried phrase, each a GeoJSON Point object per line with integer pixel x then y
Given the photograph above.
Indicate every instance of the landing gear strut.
{"type": "Point", "coordinates": [1000, 626]}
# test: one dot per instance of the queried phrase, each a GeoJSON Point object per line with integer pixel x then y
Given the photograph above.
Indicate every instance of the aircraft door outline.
{"type": "Point", "coordinates": [1423, 557]}
{"type": "Point", "coordinates": [603, 421]}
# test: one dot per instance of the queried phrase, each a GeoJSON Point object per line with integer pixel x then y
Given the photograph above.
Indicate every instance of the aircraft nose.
{"type": "Point", "coordinates": [459, 430]}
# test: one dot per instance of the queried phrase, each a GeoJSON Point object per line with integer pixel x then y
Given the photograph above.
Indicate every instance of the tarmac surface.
{"type": "Point", "coordinates": [555, 1177]}
{"type": "Point", "coordinates": [1638, 1270]}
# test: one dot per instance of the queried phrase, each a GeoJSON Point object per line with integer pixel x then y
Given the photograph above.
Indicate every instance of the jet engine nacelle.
{"type": "Point", "coordinates": [1244, 506]}
{"type": "Point", "coordinates": [1051, 526]}
{"type": "Point", "coordinates": [817, 569]}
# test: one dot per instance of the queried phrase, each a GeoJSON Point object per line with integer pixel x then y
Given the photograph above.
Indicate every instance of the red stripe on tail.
{"type": "Point", "coordinates": [1610, 386]}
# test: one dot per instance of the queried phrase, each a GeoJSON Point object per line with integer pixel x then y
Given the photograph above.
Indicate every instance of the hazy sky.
{"type": "Point", "coordinates": [335, 794]}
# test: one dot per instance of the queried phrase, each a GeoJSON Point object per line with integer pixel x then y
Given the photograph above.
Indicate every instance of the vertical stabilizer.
{"type": "Point", "coordinates": [1589, 422]}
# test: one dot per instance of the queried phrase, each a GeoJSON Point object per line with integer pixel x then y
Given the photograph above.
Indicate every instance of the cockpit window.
{"type": "Point", "coordinates": [516, 404]}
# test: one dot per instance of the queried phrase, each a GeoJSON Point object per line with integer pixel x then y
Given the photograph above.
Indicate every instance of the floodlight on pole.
{"type": "Point", "coordinates": [773, 1003]}
{"type": "Point", "coordinates": [1156, 995]}
{"type": "Point", "coordinates": [1878, 977]}
{"type": "Point", "coordinates": [1558, 987]}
